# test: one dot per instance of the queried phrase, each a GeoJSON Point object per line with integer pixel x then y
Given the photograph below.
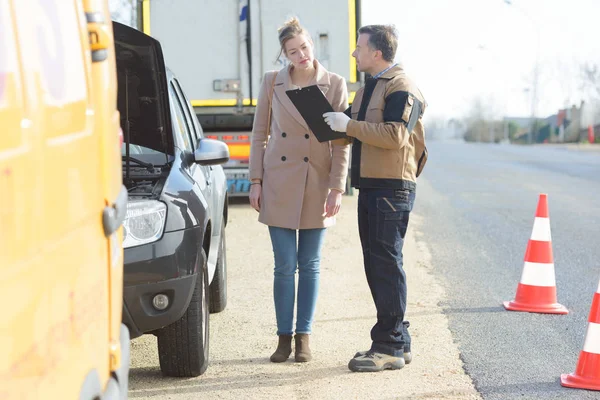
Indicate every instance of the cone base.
{"type": "Point", "coordinates": [554, 308]}
{"type": "Point", "coordinates": [579, 382]}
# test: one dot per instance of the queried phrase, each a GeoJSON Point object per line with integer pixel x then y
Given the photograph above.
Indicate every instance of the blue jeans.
{"type": "Point", "coordinates": [382, 223]}
{"type": "Point", "coordinates": [289, 256]}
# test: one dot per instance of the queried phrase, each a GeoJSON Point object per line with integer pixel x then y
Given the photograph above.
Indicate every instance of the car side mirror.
{"type": "Point", "coordinates": [211, 152]}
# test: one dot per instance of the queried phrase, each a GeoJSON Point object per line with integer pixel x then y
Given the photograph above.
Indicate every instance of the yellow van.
{"type": "Point", "coordinates": [62, 204]}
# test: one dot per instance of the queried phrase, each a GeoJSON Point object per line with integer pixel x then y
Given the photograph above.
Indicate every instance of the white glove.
{"type": "Point", "coordinates": [337, 121]}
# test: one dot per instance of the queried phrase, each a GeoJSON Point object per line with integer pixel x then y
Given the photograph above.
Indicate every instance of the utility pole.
{"type": "Point", "coordinates": [536, 71]}
{"type": "Point", "coordinates": [534, 101]}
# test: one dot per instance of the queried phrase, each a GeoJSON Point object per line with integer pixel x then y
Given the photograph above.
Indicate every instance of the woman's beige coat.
{"type": "Point", "coordinates": [297, 171]}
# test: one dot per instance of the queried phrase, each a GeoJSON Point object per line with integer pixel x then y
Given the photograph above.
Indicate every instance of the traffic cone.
{"type": "Point", "coordinates": [536, 291]}
{"type": "Point", "coordinates": [587, 374]}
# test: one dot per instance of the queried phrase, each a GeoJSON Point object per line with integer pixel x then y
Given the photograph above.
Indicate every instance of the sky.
{"type": "Point", "coordinates": [461, 50]}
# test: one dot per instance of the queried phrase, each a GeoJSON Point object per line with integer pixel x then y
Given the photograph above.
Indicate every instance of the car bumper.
{"type": "Point", "coordinates": [169, 267]}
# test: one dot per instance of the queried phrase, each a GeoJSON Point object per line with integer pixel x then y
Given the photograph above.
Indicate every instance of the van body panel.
{"type": "Point", "coordinates": [59, 171]}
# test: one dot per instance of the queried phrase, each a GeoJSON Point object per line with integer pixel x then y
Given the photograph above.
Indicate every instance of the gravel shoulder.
{"type": "Point", "coordinates": [243, 336]}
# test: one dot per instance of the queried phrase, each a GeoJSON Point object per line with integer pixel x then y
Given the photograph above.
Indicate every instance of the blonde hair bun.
{"type": "Point", "coordinates": [293, 23]}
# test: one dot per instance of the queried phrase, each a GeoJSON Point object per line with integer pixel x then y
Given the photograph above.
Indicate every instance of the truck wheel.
{"type": "Point", "coordinates": [183, 345]}
{"type": "Point", "coordinates": [218, 287]}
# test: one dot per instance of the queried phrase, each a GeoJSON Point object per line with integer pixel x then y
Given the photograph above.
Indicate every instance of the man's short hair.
{"type": "Point", "coordinates": [383, 38]}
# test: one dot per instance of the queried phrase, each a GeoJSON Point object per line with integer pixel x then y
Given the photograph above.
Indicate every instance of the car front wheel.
{"type": "Point", "coordinates": [183, 345]}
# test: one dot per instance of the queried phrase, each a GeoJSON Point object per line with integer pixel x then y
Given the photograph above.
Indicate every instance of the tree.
{"type": "Point", "coordinates": [590, 76]}
{"type": "Point", "coordinates": [590, 86]}
{"type": "Point", "coordinates": [513, 128]}
{"type": "Point", "coordinates": [479, 124]}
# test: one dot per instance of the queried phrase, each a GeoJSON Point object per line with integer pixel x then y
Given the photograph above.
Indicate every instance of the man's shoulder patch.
{"type": "Point", "coordinates": [402, 106]}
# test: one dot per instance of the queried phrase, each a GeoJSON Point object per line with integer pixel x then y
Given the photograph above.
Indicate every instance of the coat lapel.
{"type": "Point", "coordinates": [283, 82]}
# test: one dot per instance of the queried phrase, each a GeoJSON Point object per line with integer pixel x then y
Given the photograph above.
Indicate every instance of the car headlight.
{"type": "Point", "coordinates": [145, 222]}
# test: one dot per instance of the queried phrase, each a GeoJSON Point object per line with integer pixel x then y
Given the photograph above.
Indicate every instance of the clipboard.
{"type": "Point", "coordinates": [312, 104]}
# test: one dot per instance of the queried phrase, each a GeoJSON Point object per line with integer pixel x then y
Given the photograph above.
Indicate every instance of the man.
{"type": "Point", "coordinates": [388, 153]}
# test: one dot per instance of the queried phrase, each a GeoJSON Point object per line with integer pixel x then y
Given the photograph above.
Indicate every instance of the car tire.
{"type": "Point", "coordinates": [218, 287]}
{"type": "Point", "coordinates": [183, 345]}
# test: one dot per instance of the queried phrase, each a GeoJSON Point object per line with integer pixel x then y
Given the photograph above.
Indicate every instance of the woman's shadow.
{"type": "Point", "coordinates": [149, 381]}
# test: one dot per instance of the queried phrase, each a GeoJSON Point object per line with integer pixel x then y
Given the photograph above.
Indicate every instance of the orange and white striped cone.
{"type": "Point", "coordinates": [536, 291]}
{"type": "Point", "coordinates": [587, 374]}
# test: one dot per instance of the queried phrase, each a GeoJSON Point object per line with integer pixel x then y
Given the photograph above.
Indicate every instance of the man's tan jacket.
{"type": "Point", "coordinates": [390, 151]}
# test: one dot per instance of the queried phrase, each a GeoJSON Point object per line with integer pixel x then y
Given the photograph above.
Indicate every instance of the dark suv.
{"type": "Point", "coordinates": [175, 261]}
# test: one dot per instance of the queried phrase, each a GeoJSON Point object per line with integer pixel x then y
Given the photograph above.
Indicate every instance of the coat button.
{"type": "Point", "coordinates": [306, 136]}
{"type": "Point", "coordinates": [284, 134]}
{"type": "Point", "coordinates": [283, 158]}
{"type": "Point", "coordinates": [305, 159]}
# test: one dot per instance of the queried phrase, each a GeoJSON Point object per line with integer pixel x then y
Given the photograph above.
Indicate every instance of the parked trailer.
{"type": "Point", "coordinates": [221, 50]}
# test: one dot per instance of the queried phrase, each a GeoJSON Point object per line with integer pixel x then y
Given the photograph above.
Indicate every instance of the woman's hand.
{"type": "Point", "coordinates": [255, 191]}
{"type": "Point", "coordinates": [333, 203]}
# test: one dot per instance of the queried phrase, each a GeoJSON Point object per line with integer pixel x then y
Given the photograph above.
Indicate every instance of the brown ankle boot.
{"type": "Point", "coordinates": [302, 349]}
{"type": "Point", "coordinates": [284, 349]}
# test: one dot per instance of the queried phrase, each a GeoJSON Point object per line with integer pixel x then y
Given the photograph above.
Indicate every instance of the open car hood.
{"type": "Point", "coordinates": [143, 99]}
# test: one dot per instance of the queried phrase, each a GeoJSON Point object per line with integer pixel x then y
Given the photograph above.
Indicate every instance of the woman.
{"type": "Point", "coordinates": [297, 184]}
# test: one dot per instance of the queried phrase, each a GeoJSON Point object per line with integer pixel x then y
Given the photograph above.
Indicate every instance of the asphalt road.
{"type": "Point", "coordinates": [478, 203]}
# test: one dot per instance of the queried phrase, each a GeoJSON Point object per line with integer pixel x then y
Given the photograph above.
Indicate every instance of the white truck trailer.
{"type": "Point", "coordinates": [220, 50]}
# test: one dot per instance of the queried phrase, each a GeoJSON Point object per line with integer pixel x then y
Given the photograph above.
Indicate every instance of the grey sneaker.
{"type": "Point", "coordinates": [407, 356]}
{"type": "Point", "coordinates": [375, 362]}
